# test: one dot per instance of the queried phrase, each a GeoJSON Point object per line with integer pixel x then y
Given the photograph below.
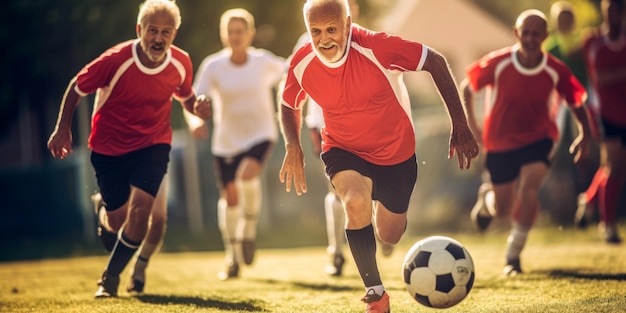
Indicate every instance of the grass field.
{"type": "Point", "coordinates": [565, 271]}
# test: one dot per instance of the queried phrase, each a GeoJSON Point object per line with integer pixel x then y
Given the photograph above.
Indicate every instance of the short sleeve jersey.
{"type": "Point", "coordinates": [133, 103]}
{"type": "Point", "coordinates": [242, 98]}
{"type": "Point", "coordinates": [605, 55]}
{"type": "Point", "coordinates": [364, 100]}
{"type": "Point", "coordinates": [521, 108]}
{"type": "Point", "coordinates": [314, 117]}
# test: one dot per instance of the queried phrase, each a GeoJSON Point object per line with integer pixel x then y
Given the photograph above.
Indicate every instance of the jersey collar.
{"type": "Point", "coordinates": [147, 70]}
{"type": "Point", "coordinates": [524, 70]}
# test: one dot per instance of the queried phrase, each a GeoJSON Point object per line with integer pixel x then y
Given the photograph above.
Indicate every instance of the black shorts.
{"type": "Point", "coordinates": [392, 184]}
{"type": "Point", "coordinates": [505, 166]}
{"type": "Point", "coordinates": [227, 167]}
{"type": "Point", "coordinates": [612, 131]}
{"type": "Point", "coordinates": [144, 169]}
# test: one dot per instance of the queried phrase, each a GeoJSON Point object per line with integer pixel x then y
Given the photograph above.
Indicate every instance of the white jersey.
{"type": "Point", "coordinates": [242, 99]}
{"type": "Point", "coordinates": [314, 116]}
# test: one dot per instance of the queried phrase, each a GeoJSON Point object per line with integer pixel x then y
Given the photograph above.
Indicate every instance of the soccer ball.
{"type": "Point", "coordinates": [438, 272]}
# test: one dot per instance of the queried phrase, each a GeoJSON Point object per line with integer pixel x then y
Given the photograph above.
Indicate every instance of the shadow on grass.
{"type": "Point", "coordinates": [200, 302]}
{"type": "Point", "coordinates": [582, 273]}
{"type": "Point", "coordinates": [312, 286]}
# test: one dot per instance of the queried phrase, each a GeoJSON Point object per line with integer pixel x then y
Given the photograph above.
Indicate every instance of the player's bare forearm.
{"type": "Point", "coordinates": [468, 100]}
{"type": "Point", "coordinates": [292, 170]}
{"type": "Point", "coordinates": [580, 145]}
{"type": "Point", "coordinates": [462, 140]}
{"type": "Point", "coordinates": [290, 124]}
{"type": "Point", "coordinates": [68, 106]}
{"type": "Point", "coordinates": [60, 141]}
{"type": "Point", "coordinates": [440, 72]}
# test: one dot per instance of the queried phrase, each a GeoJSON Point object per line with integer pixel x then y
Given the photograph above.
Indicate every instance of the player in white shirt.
{"type": "Point", "coordinates": [239, 80]}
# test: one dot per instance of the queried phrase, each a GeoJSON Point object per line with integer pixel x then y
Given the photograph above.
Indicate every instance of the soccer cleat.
{"type": "Point", "coordinates": [107, 286]}
{"type": "Point", "coordinates": [107, 237]}
{"type": "Point", "coordinates": [480, 215]}
{"type": "Point", "coordinates": [248, 248]}
{"type": "Point", "coordinates": [335, 267]}
{"type": "Point", "coordinates": [512, 268]}
{"type": "Point", "coordinates": [580, 217]}
{"type": "Point", "coordinates": [136, 286]}
{"type": "Point", "coordinates": [229, 272]}
{"type": "Point", "coordinates": [376, 303]}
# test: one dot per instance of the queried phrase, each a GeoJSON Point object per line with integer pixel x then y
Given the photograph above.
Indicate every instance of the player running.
{"type": "Point", "coordinates": [368, 148]}
{"type": "Point", "coordinates": [131, 133]}
{"type": "Point", "coordinates": [519, 130]}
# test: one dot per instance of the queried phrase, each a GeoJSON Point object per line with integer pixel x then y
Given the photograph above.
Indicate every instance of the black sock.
{"type": "Point", "coordinates": [362, 243]}
{"type": "Point", "coordinates": [120, 256]}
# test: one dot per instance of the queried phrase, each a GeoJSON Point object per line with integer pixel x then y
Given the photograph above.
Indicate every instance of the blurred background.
{"type": "Point", "coordinates": [46, 210]}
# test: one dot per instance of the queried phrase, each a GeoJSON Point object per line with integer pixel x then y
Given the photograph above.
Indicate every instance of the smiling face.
{"type": "Point", "coordinates": [530, 33]}
{"type": "Point", "coordinates": [329, 28]}
{"type": "Point", "coordinates": [156, 33]}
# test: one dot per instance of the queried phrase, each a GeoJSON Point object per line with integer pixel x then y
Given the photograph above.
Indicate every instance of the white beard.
{"type": "Point", "coordinates": [336, 57]}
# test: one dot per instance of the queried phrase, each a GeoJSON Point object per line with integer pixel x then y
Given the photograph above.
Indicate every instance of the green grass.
{"type": "Point", "coordinates": [565, 271]}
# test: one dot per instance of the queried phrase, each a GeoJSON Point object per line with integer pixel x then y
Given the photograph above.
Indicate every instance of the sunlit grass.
{"type": "Point", "coordinates": [565, 271]}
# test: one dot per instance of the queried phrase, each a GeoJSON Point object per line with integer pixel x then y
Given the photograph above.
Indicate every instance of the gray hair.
{"type": "Point", "coordinates": [345, 7]}
{"type": "Point", "coordinates": [151, 7]}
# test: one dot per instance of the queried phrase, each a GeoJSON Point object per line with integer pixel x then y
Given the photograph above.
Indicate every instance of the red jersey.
{"type": "Point", "coordinates": [604, 55]}
{"type": "Point", "coordinates": [363, 97]}
{"type": "Point", "coordinates": [133, 103]}
{"type": "Point", "coordinates": [521, 108]}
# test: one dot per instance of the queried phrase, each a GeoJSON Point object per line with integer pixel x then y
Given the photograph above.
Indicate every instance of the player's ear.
{"type": "Point", "coordinates": [138, 30]}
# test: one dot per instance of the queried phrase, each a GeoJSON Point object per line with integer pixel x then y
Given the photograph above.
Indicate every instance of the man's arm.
{"type": "Point", "coordinates": [461, 138]}
{"type": "Point", "coordinates": [580, 145]}
{"type": "Point", "coordinates": [468, 98]}
{"type": "Point", "coordinates": [60, 141]}
{"type": "Point", "coordinates": [293, 163]}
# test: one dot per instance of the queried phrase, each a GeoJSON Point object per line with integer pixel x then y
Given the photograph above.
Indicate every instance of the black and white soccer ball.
{"type": "Point", "coordinates": [438, 272]}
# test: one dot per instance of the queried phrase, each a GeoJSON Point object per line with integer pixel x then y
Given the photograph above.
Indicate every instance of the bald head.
{"type": "Point", "coordinates": [533, 15]}
{"type": "Point", "coordinates": [337, 8]}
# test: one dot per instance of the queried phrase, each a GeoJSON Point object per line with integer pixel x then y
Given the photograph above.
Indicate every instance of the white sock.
{"type": "Point", "coordinates": [490, 202]}
{"type": "Point", "coordinates": [250, 197]}
{"type": "Point", "coordinates": [227, 218]}
{"type": "Point", "coordinates": [379, 289]}
{"type": "Point", "coordinates": [516, 241]}
{"type": "Point", "coordinates": [335, 223]}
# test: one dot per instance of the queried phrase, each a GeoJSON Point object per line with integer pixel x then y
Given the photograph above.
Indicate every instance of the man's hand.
{"type": "Point", "coordinates": [202, 107]}
{"type": "Point", "coordinates": [580, 148]}
{"type": "Point", "coordinates": [293, 169]}
{"type": "Point", "coordinates": [60, 143]}
{"type": "Point", "coordinates": [462, 142]}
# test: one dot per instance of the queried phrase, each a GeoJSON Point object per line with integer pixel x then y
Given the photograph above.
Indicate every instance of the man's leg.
{"type": "Point", "coordinates": [610, 192]}
{"type": "Point", "coordinates": [335, 230]}
{"type": "Point", "coordinates": [135, 229]}
{"type": "Point", "coordinates": [154, 238]}
{"type": "Point", "coordinates": [525, 210]}
{"type": "Point", "coordinates": [228, 217]}
{"type": "Point", "coordinates": [355, 192]}
{"type": "Point", "coordinates": [250, 191]}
